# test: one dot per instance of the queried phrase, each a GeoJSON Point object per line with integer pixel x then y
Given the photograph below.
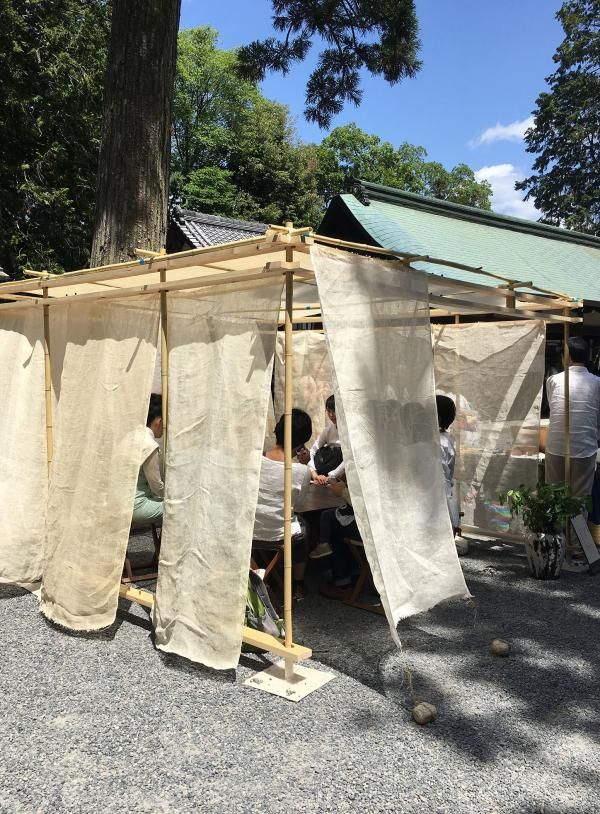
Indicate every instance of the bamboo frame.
{"type": "Point", "coordinates": [279, 240]}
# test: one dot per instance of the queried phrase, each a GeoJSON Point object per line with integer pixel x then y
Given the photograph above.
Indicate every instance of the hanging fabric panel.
{"type": "Point", "coordinates": [23, 461]}
{"type": "Point", "coordinates": [221, 347]}
{"type": "Point", "coordinates": [102, 404]}
{"type": "Point", "coordinates": [377, 325]}
{"type": "Point", "coordinates": [312, 378]}
{"type": "Point", "coordinates": [494, 372]}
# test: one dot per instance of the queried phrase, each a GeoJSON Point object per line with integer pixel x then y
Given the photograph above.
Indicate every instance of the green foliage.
{"type": "Point", "coordinates": [349, 152]}
{"type": "Point", "coordinates": [379, 35]}
{"type": "Point", "coordinates": [53, 61]}
{"type": "Point", "coordinates": [566, 131]}
{"type": "Point", "coordinates": [234, 152]}
{"type": "Point", "coordinates": [545, 510]}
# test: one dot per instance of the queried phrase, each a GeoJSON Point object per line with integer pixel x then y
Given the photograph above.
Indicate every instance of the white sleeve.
{"type": "Point", "coordinates": [321, 440]}
{"type": "Point", "coordinates": [301, 481]}
{"type": "Point", "coordinates": [151, 467]}
{"type": "Point", "coordinates": [338, 471]}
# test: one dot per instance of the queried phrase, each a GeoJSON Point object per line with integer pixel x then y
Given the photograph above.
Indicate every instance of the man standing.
{"type": "Point", "coordinates": [584, 422]}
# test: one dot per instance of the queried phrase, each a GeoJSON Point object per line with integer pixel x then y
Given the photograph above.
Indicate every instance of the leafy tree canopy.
{"type": "Point", "coordinates": [380, 36]}
{"type": "Point", "coordinates": [53, 61]}
{"type": "Point", "coordinates": [566, 131]}
{"type": "Point", "coordinates": [235, 153]}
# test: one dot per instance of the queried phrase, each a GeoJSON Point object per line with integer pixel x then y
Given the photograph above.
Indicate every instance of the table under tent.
{"type": "Point", "coordinates": [88, 340]}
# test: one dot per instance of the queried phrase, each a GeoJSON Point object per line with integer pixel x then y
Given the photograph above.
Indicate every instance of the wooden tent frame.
{"type": "Point", "coordinates": [282, 251]}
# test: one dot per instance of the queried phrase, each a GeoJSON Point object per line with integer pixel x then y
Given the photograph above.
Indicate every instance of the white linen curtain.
{"type": "Point", "coordinates": [494, 372]}
{"type": "Point", "coordinates": [376, 318]}
{"type": "Point", "coordinates": [312, 378]}
{"type": "Point", "coordinates": [102, 403]}
{"type": "Point", "coordinates": [221, 347]}
{"type": "Point", "coordinates": [23, 461]}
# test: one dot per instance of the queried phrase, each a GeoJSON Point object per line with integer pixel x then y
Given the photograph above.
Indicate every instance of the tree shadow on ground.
{"type": "Point", "coordinates": [487, 705]}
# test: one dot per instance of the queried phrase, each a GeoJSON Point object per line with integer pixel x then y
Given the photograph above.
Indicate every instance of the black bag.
{"type": "Point", "coordinates": [327, 459]}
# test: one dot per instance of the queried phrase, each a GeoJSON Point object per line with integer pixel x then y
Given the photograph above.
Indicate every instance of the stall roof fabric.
{"type": "Point", "coordinates": [550, 258]}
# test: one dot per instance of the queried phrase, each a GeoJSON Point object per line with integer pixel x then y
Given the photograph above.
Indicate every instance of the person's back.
{"type": "Point", "coordinates": [268, 521]}
{"type": "Point", "coordinates": [584, 422]}
{"type": "Point", "coordinates": [584, 412]}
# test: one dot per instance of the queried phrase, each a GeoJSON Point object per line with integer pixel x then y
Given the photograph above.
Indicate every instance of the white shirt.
{"type": "Point", "coordinates": [330, 437]}
{"type": "Point", "coordinates": [584, 412]}
{"type": "Point", "coordinates": [448, 454]}
{"type": "Point", "coordinates": [268, 521]}
{"type": "Point", "coordinates": [151, 463]}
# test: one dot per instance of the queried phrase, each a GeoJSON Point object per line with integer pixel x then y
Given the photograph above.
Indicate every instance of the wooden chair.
{"type": "Point", "coordinates": [149, 571]}
{"type": "Point", "coordinates": [364, 577]}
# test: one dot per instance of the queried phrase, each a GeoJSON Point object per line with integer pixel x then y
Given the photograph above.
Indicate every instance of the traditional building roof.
{"type": "Point", "coordinates": [195, 230]}
{"type": "Point", "coordinates": [549, 257]}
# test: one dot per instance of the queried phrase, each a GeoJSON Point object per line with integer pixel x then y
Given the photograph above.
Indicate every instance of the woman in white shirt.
{"type": "Point", "coordinates": [269, 521]}
{"type": "Point", "coordinates": [150, 489]}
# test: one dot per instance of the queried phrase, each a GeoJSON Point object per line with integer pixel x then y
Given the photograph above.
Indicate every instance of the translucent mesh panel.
{"type": "Point", "coordinates": [311, 382]}
{"type": "Point", "coordinates": [220, 362]}
{"type": "Point", "coordinates": [102, 403]}
{"type": "Point", "coordinates": [23, 464]}
{"type": "Point", "coordinates": [494, 372]}
{"type": "Point", "coordinates": [377, 326]}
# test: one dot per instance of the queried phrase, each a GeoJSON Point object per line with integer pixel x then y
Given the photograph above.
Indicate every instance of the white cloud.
{"type": "Point", "coordinates": [515, 131]}
{"type": "Point", "coordinates": [506, 199]}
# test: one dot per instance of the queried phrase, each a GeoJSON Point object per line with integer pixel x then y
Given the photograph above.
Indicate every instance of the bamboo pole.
{"type": "Point", "coordinates": [48, 386]}
{"type": "Point", "coordinates": [567, 409]}
{"type": "Point", "coordinates": [164, 362]}
{"type": "Point", "coordinates": [287, 482]}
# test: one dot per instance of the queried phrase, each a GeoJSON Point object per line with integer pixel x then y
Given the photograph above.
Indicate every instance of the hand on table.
{"type": "Point", "coordinates": [320, 480]}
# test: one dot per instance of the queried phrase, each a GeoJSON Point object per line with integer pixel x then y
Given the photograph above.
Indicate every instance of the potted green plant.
{"type": "Point", "coordinates": [545, 512]}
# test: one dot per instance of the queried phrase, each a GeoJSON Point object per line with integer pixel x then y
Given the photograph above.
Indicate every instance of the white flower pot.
{"type": "Point", "coordinates": [545, 554]}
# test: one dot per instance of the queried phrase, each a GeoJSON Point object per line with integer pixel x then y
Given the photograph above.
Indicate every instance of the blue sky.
{"type": "Point", "coordinates": [484, 63]}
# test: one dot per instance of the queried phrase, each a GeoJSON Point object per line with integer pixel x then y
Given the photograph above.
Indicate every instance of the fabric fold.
{"type": "Point", "coordinates": [376, 318]}
{"type": "Point", "coordinates": [221, 348]}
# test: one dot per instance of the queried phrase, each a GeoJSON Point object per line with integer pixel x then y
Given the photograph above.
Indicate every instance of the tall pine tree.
{"type": "Point", "coordinates": [566, 131]}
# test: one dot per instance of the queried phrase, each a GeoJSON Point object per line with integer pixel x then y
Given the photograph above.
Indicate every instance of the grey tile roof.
{"type": "Point", "coordinates": [211, 230]}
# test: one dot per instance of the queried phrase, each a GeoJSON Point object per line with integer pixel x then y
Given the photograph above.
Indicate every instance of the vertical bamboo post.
{"type": "Point", "coordinates": [48, 384]}
{"type": "Point", "coordinates": [567, 426]}
{"type": "Point", "coordinates": [287, 476]}
{"type": "Point", "coordinates": [567, 407]}
{"type": "Point", "coordinates": [458, 434]}
{"type": "Point", "coordinates": [164, 363]}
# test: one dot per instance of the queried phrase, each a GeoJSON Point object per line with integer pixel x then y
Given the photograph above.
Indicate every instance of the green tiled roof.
{"type": "Point", "coordinates": [548, 257]}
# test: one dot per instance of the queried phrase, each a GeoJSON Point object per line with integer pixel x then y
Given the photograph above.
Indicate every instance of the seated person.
{"type": "Point", "coordinates": [269, 517]}
{"type": "Point", "coordinates": [327, 437]}
{"type": "Point", "coordinates": [446, 410]}
{"type": "Point", "coordinates": [150, 490]}
{"type": "Point", "coordinates": [335, 526]}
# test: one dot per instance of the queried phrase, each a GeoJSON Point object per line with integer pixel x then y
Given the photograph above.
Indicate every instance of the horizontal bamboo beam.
{"type": "Point", "coordinates": [174, 285]}
{"type": "Point", "coordinates": [480, 308]}
{"type": "Point", "coordinates": [255, 638]}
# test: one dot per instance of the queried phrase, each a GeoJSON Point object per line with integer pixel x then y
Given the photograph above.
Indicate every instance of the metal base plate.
{"type": "Point", "coordinates": [304, 681]}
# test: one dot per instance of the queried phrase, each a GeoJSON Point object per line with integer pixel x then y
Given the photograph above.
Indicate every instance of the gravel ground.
{"type": "Point", "coordinates": [104, 723]}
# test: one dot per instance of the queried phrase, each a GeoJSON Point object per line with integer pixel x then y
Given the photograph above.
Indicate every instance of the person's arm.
{"type": "Point", "coordinates": [337, 473]}
{"type": "Point", "coordinates": [151, 467]}
{"type": "Point", "coordinates": [321, 440]}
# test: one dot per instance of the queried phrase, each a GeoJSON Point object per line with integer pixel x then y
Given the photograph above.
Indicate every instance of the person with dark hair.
{"type": "Point", "coordinates": [269, 517]}
{"type": "Point", "coordinates": [150, 489]}
{"type": "Point", "coordinates": [446, 410]}
{"type": "Point", "coordinates": [328, 441]}
{"type": "Point", "coordinates": [584, 421]}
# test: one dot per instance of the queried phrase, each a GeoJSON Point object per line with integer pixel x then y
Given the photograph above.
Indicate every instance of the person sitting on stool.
{"type": "Point", "coordinates": [150, 490]}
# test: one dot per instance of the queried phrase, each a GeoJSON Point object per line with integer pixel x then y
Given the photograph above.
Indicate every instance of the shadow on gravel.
{"type": "Point", "coordinates": [487, 705]}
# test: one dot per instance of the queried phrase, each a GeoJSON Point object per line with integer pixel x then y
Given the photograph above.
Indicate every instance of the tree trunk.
{"type": "Point", "coordinates": [133, 171]}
